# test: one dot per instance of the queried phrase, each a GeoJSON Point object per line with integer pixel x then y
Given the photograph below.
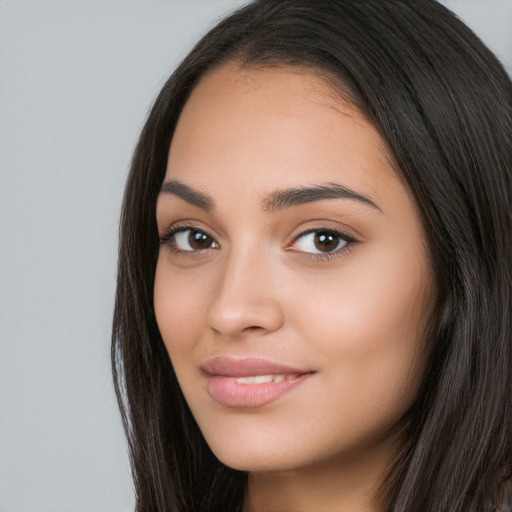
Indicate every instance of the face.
{"type": "Point", "coordinates": [292, 281]}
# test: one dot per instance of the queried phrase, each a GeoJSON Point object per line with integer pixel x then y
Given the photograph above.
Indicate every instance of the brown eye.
{"type": "Point", "coordinates": [191, 240]}
{"type": "Point", "coordinates": [199, 240]}
{"type": "Point", "coordinates": [322, 241]}
{"type": "Point", "coordinates": [326, 241]}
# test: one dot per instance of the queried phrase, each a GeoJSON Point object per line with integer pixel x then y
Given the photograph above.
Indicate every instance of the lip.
{"type": "Point", "coordinates": [221, 373]}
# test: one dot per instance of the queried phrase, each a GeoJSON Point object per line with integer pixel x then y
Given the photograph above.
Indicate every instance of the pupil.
{"type": "Point", "coordinates": [325, 241]}
{"type": "Point", "coordinates": [199, 240]}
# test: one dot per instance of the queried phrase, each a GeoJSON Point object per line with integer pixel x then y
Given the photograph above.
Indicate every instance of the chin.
{"type": "Point", "coordinates": [253, 463]}
{"type": "Point", "coordinates": [254, 456]}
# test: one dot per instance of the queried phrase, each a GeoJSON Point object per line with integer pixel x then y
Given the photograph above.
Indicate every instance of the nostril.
{"type": "Point", "coordinates": [252, 316]}
{"type": "Point", "coordinates": [253, 328]}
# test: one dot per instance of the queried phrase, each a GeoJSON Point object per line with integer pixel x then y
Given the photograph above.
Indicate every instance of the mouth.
{"type": "Point", "coordinates": [252, 382]}
{"type": "Point", "coordinates": [265, 379]}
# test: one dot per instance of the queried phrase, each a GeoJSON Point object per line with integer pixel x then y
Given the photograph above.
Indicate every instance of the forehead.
{"type": "Point", "coordinates": [275, 127]}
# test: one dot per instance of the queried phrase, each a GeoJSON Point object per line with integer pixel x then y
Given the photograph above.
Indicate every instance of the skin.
{"type": "Point", "coordinates": [353, 315]}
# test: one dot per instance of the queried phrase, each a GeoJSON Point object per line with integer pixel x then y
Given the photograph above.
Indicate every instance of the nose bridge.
{"type": "Point", "coordinates": [245, 299]}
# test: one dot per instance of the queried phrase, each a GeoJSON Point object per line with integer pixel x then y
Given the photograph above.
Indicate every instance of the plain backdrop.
{"type": "Point", "coordinates": [76, 80]}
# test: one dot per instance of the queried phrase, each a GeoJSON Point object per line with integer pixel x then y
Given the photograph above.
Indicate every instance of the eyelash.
{"type": "Point", "coordinates": [343, 237]}
{"type": "Point", "coordinates": [168, 238]}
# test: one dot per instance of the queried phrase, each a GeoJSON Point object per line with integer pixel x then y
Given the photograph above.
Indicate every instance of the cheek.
{"type": "Point", "coordinates": [367, 325]}
{"type": "Point", "coordinates": [377, 300]}
{"type": "Point", "coordinates": [178, 300]}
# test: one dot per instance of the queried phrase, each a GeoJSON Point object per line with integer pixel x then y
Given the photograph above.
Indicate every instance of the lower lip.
{"type": "Point", "coordinates": [230, 393]}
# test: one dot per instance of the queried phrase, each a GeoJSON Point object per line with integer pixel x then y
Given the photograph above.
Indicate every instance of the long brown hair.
{"type": "Point", "coordinates": [443, 104]}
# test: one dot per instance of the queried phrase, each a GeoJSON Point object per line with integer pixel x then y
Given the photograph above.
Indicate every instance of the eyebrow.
{"type": "Point", "coordinates": [188, 194]}
{"type": "Point", "coordinates": [283, 199]}
{"type": "Point", "coordinates": [276, 201]}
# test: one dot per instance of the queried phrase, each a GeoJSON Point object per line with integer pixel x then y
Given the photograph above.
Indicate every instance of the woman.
{"type": "Point", "coordinates": [314, 282]}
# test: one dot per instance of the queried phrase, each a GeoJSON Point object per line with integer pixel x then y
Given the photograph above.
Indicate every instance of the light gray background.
{"type": "Point", "coordinates": [76, 80]}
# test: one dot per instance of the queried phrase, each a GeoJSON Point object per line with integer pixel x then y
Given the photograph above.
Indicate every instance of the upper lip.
{"type": "Point", "coordinates": [231, 367]}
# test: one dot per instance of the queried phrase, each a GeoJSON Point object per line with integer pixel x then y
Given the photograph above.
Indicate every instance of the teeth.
{"type": "Point", "coordinates": [262, 379]}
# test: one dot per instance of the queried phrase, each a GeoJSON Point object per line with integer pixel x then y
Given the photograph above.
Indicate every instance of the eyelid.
{"type": "Point", "coordinates": [350, 240]}
{"type": "Point", "coordinates": [167, 237]}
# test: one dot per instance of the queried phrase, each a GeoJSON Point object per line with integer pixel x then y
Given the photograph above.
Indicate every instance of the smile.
{"type": "Point", "coordinates": [265, 379]}
{"type": "Point", "coordinates": [250, 382]}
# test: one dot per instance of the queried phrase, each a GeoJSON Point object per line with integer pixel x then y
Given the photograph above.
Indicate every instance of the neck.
{"type": "Point", "coordinates": [342, 484]}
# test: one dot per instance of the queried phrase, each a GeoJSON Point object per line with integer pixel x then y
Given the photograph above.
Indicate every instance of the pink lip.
{"type": "Point", "coordinates": [221, 373]}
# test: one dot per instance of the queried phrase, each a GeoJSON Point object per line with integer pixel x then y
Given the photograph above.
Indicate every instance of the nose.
{"type": "Point", "coordinates": [246, 301]}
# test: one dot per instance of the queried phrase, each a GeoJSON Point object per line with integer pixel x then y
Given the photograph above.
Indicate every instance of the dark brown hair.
{"type": "Point", "coordinates": [443, 105]}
